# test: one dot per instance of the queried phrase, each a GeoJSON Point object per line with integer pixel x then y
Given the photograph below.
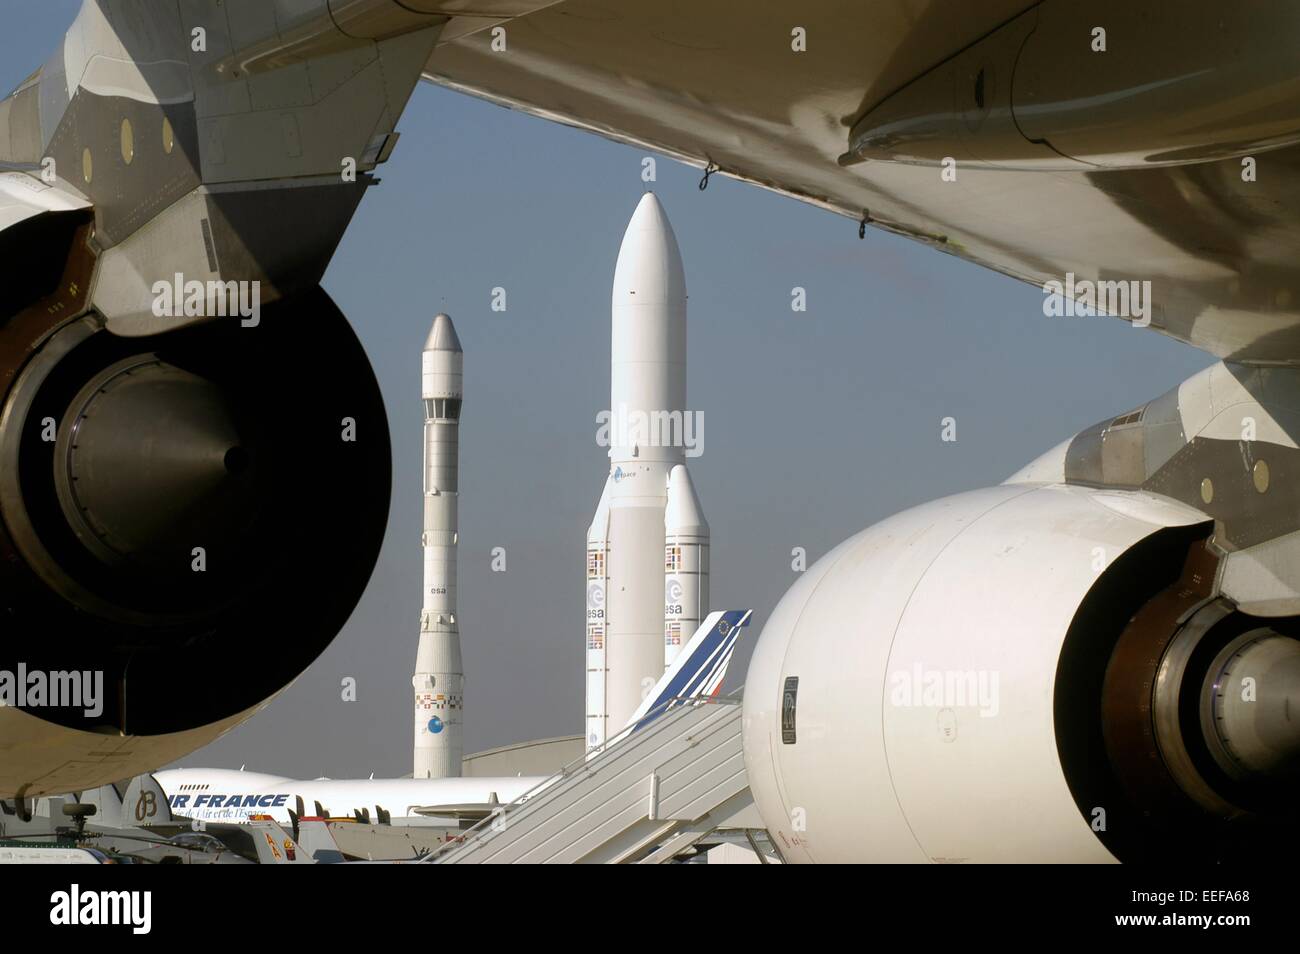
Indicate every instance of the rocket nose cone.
{"type": "Point", "coordinates": [649, 261]}
{"type": "Point", "coordinates": [649, 214]}
{"type": "Point", "coordinates": [442, 336]}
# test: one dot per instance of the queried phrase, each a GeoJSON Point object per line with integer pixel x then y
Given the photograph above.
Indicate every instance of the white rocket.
{"type": "Point", "coordinates": [439, 679]}
{"type": "Point", "coordinates": [648, 545]}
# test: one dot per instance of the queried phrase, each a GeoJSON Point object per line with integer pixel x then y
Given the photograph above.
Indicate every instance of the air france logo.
{"type": "Point", "coordinates": [228, 801]}
{"type": "Point", "coordinates": [75, 907]}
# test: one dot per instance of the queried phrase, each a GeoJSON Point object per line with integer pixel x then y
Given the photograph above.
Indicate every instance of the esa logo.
{"type": "Point", "coordinates": [673, 593]}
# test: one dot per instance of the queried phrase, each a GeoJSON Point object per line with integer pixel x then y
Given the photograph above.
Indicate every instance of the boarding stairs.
{"type": "Point", "coordinates": [651, 796]}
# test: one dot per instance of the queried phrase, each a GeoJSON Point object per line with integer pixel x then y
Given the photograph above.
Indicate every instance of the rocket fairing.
{"type": "Point", "coordinates": [439, 678]}
{"type": "Point", "coordinates": [648, 544]}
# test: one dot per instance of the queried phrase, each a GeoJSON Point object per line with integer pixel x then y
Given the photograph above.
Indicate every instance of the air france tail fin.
{"type": "Point", "coordinates": [699, 668]}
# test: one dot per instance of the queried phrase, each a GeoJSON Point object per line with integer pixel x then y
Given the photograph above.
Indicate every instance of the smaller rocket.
{"type": "Point", "coordinates": [439, 679]}
{"type": "Point", "coordinates": [686, 563]}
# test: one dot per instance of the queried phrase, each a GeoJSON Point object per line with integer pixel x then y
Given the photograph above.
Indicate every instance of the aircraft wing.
{"type": "Point", "coordinates": [474, 811]}
{"type": "Point", "coordinates": [24, 197]}
{"type": "Point", "coordinates": [1134, 173]}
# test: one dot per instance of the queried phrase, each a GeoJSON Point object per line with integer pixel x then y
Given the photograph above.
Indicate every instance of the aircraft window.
{"type": "Point", "coordinates": [1131, 418]}
{"type": "Point", "coordinates": [197, 841]}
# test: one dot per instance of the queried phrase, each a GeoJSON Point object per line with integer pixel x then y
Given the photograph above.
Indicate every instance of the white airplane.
{"type": "Point", "coordinates": [1095, 660]}
{"type": "Point", "coordinates": [232, 796]}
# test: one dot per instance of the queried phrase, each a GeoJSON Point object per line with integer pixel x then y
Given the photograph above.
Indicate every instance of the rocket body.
{"type": "Point", "coordinates": [647, 547]}
{"type": "Point", "coordinates": [686, 564]}
{"type": "Point", "coordinates": [439, 673]}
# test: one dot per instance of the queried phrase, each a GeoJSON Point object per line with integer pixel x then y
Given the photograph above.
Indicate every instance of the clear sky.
{"type": "Point", "coordinates": [816, 424]}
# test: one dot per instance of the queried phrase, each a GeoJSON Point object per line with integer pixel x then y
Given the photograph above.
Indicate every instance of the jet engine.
{"type": "Point", "coordinates": [189, 517]}
{"type": "Point", "coordinates": [1034, 672]}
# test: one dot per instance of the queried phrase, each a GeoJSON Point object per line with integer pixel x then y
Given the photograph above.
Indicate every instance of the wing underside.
{"type": "Point", "coordinates": [713, 82]}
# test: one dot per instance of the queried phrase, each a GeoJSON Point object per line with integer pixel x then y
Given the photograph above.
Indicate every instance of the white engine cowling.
{"type": "Point", "coordinates": [927, 651]}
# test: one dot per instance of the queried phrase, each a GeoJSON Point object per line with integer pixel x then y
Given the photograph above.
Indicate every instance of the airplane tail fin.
{"type": "Point", "coordinates": [699, 668]}
{"type": "Point", "coordinates": [318, 842]}
{"type": "Point", "coordinates": [144, 803]}
{"type": "Point", "coordinates": [109, 809]}
{"type": "Point", "coordinates": [273, 844]}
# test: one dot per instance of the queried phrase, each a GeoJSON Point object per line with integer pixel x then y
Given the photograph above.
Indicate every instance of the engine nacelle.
{"type": "Point", "coordinates": [957, 683]}
{"type": "Point", "coordinates": [187, 519]}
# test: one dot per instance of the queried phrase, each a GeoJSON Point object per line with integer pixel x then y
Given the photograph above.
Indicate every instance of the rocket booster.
{"type": "Point", "coordinates": [439, 678]}
{"type": "Point", "coordinates": [648, 544]}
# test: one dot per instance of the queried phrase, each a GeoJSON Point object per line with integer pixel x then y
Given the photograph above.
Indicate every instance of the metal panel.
{"type": "Point", "coordinates": [648, 796]}
{"type": "Point", "coordinates": [700, 82]}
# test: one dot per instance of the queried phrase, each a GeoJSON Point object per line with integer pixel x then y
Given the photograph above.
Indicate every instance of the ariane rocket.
{"type": "Point", "coordinates": [648, 544]}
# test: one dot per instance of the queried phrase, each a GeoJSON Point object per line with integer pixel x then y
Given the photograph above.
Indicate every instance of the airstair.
{"type": "Point", "coordinates": [650, 797]}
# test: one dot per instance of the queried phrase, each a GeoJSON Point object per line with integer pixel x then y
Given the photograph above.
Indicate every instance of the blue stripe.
{"type": "Point", "coordinates": [701, 669]}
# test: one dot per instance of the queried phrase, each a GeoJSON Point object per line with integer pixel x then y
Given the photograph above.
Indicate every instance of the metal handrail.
{"type": "Point", "coordinates": [733, 698]}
